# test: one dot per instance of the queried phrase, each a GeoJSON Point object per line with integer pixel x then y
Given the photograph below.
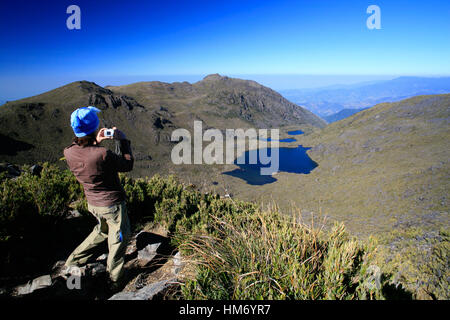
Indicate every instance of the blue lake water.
{"type": "Point", "coordinates": [295, 132]}
{"type": "Point", "coordinates": [282, 140]}
{"type": "Point", "coordinates": [293, 160]}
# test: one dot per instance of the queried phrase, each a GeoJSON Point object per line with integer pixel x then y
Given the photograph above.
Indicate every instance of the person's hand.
{"type": "Point", "coordinates": [101, 136]}
{"type": "Point", "coordinates": [119, 135]}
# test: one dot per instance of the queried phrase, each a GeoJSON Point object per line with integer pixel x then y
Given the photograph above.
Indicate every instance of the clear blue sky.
{"type": "Point", "coordinates": [127, 41]}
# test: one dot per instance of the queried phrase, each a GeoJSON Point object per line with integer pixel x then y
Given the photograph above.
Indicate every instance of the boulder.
{"type": "Point", "coordinates": [178, 263]}
{"type": "Point", "coordinates": [12, 170]}
{"type": "Point", "coordinates": [146, 293]}
{"type": "Point", "coordinates": [148, 253]}
{"type": "Point", "coordinates": [73, 214]}
{"type": "Point", "coordinates": [36, 170]}
{"type": "Point", "coordinates": [36, 284]}
{"type": "Point", "coordinates": [140, 281]}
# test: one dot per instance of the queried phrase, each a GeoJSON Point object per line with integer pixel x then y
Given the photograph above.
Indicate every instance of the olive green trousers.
{"type": "Point", "coordinates": [114, 226]}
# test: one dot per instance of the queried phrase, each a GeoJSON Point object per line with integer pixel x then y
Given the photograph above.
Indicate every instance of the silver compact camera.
{"type": "Point", "coordinates": [109, 133]}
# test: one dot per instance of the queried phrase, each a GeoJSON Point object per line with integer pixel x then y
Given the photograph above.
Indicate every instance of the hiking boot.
{"type": "Point", "coordinates": [68, 271]}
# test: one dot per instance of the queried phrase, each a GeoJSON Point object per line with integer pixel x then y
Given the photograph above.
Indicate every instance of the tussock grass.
{"type": "Point", "coordinates": [269, 256]}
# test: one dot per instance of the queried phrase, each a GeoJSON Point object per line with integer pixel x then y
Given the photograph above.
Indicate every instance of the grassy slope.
{"type": "Point", "coordinates": [383, 171]}
{"type": "Point", "coordinates": [387, 166]}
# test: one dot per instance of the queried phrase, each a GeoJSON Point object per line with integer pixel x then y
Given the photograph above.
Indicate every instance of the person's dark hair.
{"type": "Point", "coordinates": [89, 139]}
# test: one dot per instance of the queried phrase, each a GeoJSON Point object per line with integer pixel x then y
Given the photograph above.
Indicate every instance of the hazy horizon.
{"type": "Point", "coordinates": [15, 90]}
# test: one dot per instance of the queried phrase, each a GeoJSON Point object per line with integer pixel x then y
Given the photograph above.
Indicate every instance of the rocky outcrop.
{"type": "Point", "coordinates": [253, 102]}
{"type": "Point", "coordinates": [35, 284]}
{"type": "Point", "coordinates": [148, 253]}
{"type": "Point", "coordinates": [151, 271]}
{"type": "Point", "coordinates": [146, 293]}
{"type": "Point", "coordinates": [112, 101]}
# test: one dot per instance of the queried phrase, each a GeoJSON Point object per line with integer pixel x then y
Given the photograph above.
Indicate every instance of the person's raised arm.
{"type": "Point", "coordinates": [124, 162]}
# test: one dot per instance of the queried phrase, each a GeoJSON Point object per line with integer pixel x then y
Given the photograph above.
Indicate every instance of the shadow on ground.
{"type": "Point", "coordinates": [92, 287]}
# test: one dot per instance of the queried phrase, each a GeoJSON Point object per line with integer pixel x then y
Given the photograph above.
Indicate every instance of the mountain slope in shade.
{"type": "Point", "coordinates": [44, 120]}
{"type": "Point", "coordinates": [327, 101]}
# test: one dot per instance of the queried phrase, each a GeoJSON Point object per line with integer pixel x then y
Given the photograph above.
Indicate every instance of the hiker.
{"type": "Point", "coordinates": [96, 168]}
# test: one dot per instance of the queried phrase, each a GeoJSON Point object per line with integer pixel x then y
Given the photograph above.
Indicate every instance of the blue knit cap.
{"type": "Point", "coordinates": [84, 121]}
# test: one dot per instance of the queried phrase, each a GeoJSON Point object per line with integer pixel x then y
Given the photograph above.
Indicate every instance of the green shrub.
{"type": "Point", "coordinates": [163, 201]}
{"type": "Point", "coordinates": [26, 198]}
{"type": "Point", "coordinates": [436, 271]}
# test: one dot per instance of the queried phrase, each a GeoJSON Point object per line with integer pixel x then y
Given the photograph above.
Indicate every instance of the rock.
{"type": "Point", "coordinates": [148, 253]}
{"type": "Point", "coordinates": [73, 214]}
{"type": "Point", "coordinates": [131, 248]}
{"type": "Point", "coordinates": [373, 279]}
{"type": "Point", "coordinates": [139, 283]}
{"type": "Point", "coordinates": [36, 170]}
{"type": "Point", "coordinates": [96, 268]}
{"type": "Point", "coordinates": [178, 263]}
{"type": "Point", "coordinates": [36, 284]}
{"type": "Point", "coordinates": [3, 292]}
{"type": "Point", "coordinates": [146, 293]}
{"type": "Point", "coordinates": [12, 170]}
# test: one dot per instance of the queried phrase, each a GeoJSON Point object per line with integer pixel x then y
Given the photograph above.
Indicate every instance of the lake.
{"type": "Point", "coordinates": [295, 132]}
{"type": "Point", "coordinates": [282, 140]}
{"type": "Point", "coordinates": [293, 160]}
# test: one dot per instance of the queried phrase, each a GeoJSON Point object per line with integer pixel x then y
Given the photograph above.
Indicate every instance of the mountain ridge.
{"type": "Point", "coordinates": [215, 93]}
{"type": "Point", "coordinates": [147, 112]}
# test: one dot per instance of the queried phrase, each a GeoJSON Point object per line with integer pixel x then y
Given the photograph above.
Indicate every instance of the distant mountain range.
{"type": "Point", "coordinates": [329, 100]}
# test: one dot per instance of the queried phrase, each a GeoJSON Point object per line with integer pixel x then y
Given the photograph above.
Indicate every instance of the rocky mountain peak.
{"type": "Point", "coordinates": [214, 77]}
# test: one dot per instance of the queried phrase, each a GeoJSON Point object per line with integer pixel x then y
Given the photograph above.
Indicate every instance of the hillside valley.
{"type": "Point", "coordinates": [383, 171]}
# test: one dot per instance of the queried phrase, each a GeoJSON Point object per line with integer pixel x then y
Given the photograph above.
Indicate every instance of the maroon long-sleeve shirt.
{"type": "Point", "coordinates": [96, 168]}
